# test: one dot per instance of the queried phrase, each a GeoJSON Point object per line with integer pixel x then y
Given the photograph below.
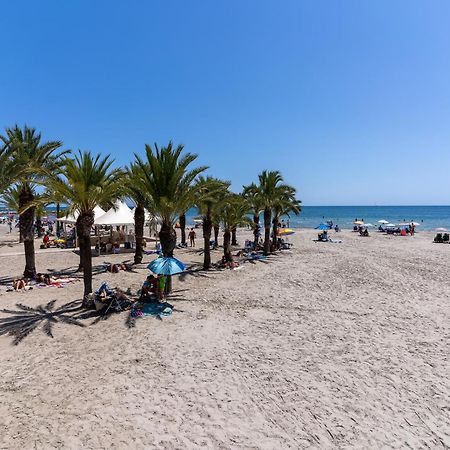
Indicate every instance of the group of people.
{"type": "Point", "coordinates": [283, 224]}
{"type": "Point", "coordinates": [24, 284]}
{"type": "Point", "coordinates": [110, 246]}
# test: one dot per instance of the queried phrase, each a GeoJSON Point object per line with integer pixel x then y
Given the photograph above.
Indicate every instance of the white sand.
{"type": "Point", "coordinates": [328, 346]}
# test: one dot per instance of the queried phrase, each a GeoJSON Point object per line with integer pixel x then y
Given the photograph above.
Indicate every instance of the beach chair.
{"type": "Point", "coordinates": [446, 238]}
{"type": "Point", "coordinates": [438, 238]}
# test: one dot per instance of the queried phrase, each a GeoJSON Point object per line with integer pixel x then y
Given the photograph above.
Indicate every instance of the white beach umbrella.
{"type": "Point", "coordinates": [384, 222]}
{"type": "Point", "coordinates": [390, 225]}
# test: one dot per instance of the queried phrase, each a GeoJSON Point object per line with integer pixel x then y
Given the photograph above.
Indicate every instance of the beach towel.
{"type": "Point", "coordinates": [255, 257]}
{"type": "Point", "coordinates": [153, 309]}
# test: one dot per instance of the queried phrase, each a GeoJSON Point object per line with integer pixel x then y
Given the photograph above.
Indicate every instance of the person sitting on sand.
{"type": "Point", "coordinates": [323, 237]}
{"type": "Point", "coordinates": [46, 240]}
{"type": "Point", "coordinates": [20, 284]}
{"type": "Point", "coordinates": [116, 247]}
{"type": "Point", "coordinates": [149, 287]}
{"type": "Point", "coordinates": [364, 232]}
{"type": "Point", "coordinates": [228, 264]}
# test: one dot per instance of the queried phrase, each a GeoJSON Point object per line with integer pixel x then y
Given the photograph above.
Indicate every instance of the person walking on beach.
{"type": "Point", "coordinates": [10, 226]}
{"type": "Point", "coordinates": [192, 238]}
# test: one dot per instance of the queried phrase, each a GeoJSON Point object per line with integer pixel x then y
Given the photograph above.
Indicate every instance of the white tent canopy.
{"type": "Point", "coordinates": [72, 218]}
{"type": "Point", "coordinates": [120, 215]}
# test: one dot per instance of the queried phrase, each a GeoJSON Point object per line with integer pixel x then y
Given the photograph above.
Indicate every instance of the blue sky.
{"type": "Point", "coordinates": [350, 100]}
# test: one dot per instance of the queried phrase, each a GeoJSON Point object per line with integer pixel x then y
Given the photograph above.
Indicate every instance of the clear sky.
{"type": "Point", "coordinates": [350, 100]}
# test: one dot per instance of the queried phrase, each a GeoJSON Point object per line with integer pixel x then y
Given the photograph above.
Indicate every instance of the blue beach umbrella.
{"type": "Point", "coordinates": [166, 266]}
{"type": "Point", "coordinates": [323, 226]}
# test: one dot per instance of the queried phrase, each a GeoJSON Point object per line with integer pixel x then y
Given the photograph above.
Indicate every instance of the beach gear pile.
{"type": "Point", "coordinates": [108, 298]}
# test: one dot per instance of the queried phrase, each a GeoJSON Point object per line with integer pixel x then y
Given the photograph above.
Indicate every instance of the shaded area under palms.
{"type": "Point", "coordinates": [27, 319]}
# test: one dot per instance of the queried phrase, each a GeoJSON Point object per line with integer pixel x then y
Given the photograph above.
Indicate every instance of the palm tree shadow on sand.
{"type": "Point", "coordinates": [26, 319]}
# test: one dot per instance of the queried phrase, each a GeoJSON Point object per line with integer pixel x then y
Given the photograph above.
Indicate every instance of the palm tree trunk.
{"type": "Point", "coordinates": [168, 239]}
{"type": "Point", "coordinates": [58, 223]}
{"type": "Point", "coordinates": [26, 221]}
{"type": "Point", "coordinates": [84, 224]}
{"type": "Point", "coordinates": [227, 246]}
{"type": "Point", "coordinates": [207, 227]}
{"type": "Point", "coordinates": [39, 226]}
{"type": "Point", "coordinates": [267, 217]}
{"type": "Point", "coordinates": [182, 220]}
{"type": "Point", "coordinates": [216, 235]}
{"type": "Point", "coordinates": [234, 236]}
{"type": "Point", "coordinates": [255, 229]}
{"type": "Point", "coordinates": [139, 222]}
{"type": "Point", "coordinates": [275, 231]}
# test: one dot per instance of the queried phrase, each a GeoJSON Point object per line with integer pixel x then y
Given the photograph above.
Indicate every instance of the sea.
{"type": "Point", "coordinates": [429, 217]}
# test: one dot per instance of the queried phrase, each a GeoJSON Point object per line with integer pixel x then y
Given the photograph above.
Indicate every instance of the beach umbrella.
{"type": "Point", "coordinates": [358, 222]}
{"type": "Point", "coordinates": [285, 232]}
{"type": "Point", "coordinates": [166, 266]}
{"type": "Point", "coordinates": [383, 222]}
{"type": "Point", "coordinates": [368, 225]}
{"type": "Point", "coordinates": [416, 224]}
{"type": "Point", "coordinates": [441, 229]}
{"type": "Point", "coordinates": [390, 225]}
{"type": "Point", "coordinates": [323, 226]}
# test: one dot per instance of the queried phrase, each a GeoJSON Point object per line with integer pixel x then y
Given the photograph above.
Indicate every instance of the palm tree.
{"type": "Point", "coordinates": [284, 205]}
{"type": "Point", "coordinates": [234, 210]}
{"type": "Point", "coordinates": [10, 198]}
{"type": "Point", "coordinates": [169, 181]}
{"type": "Point", "coordinates": [216, 229]}
{"type": "Point", "coordinates": [251, 194]}
{"type": "Point", "coordinates": [6, 176]}
{"type": "Point", "coordinates": [32, 163]}
{"type": "Point", "coordinates": [88, 182]}
{"type": "Point", "coordinates": [210, 192]}
{"type": "Point", "coordinates": [269, 190]}
{"type": "Point", "coordinates": [134, 179]}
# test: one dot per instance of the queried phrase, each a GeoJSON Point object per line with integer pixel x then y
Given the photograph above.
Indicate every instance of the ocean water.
{"type": "Point", "coordinates": [429, 217]}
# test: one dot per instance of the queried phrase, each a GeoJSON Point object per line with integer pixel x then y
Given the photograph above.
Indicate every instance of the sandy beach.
{"type": "Point", "coordinates": [325, 346]}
